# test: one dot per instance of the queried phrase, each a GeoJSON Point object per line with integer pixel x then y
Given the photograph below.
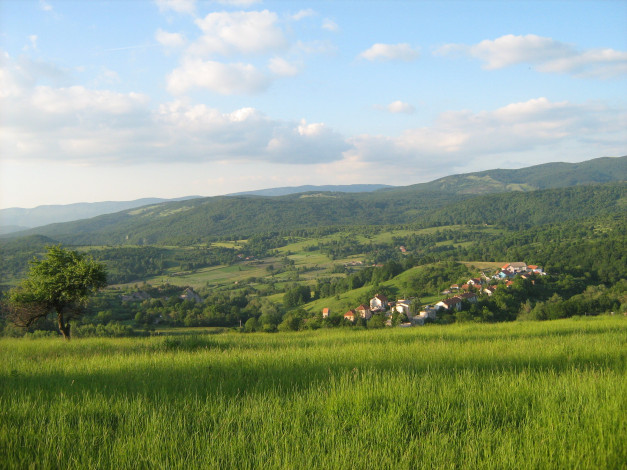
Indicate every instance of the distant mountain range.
{"type": "Point", "coordinates": [442, 201]}
{"type": "Point", "coordinates": [16, 219]}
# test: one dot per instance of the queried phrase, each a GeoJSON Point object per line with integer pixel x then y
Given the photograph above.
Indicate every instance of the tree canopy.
{"type": "Point", "coordinates": [60, 283]}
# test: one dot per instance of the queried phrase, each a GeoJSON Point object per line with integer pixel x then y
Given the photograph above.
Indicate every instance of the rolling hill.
{"type": "Point", "coordinates": [523, 200]}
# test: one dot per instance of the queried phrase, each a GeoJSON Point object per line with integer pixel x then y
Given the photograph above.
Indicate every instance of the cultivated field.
{"type": "Point", "coordinates": [515, 395]}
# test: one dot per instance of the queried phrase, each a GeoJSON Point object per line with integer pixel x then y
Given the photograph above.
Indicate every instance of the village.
{"type": "Point", "coordinates": [416, 314]}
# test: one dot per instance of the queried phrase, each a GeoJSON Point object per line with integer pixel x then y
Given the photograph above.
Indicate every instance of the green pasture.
{"type": "Point", "coordinates": [520, 395]}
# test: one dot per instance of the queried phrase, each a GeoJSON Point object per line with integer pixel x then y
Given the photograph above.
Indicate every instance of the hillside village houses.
{"type": "Point", "coordinates": [380, 304]}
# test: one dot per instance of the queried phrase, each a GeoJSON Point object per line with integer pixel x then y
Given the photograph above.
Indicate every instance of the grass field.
{"type": "Point", "coordinates": [517, 395]}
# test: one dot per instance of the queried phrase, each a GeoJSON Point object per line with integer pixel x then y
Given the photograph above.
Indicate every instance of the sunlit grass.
{"type": "Point", "coordinates": [517, 395]}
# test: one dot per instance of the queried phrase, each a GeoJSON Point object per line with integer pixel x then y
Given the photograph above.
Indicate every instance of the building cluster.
{"type": "Point", "coordinates": [467, 292]}
{"type": "Point", "coordinates": [380, 305]}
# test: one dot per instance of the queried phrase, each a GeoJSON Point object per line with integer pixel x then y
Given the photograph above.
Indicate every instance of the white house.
{"type": "Point", "coordinates": [450, 303]}
{"type": "Point", "coordinates": [378, 303]}
{"type": "Point", "coordinates": [404, 306]}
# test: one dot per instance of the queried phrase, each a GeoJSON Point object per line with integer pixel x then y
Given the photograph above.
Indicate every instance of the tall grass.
{"type": "Point", "coordinates": [519, 395]}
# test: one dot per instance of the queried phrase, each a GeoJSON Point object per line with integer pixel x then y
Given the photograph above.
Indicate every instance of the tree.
{"type": "Point", "coordinates": [251, 325]}
{"type": "Point", "coordinates": [59, 284]}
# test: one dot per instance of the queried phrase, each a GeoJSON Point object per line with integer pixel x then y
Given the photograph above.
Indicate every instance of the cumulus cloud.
{"type": "Point", "coordinates": [282, 67]}
{"type": "Point", "coordinates": [400, 107]}
{"type": "Point", "coordinates": [77, 98]}
{"type": "Point", "coordinates": [227, 79]}
{"type": "Point", "coordinates": [101, 126]}
{"type": "Point", "coordinates": [463, 138]}
{"type": "Point", "coordinates": [169, 40]}
{"type": "Point", "coordinates": [229, 34]}
{"type": "Point", "coordinates": [242, 32]}
{"type": "Point", "coordinates": [380, 51]}
{"type": "Point", "coordinates": [303, 14]}
{"type": "Point", "coordinates": [545, 54]}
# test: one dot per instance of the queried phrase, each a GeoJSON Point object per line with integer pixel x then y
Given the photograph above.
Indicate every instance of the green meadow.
{"type": "Point", "coordinates": [510, 395]}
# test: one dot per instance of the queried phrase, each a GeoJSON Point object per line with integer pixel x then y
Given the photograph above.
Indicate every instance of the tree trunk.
{"type": "Point", "coordinates": [64, 327]}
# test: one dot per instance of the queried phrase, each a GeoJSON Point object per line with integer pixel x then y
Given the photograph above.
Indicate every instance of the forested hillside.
{"type": "Point", "coordinates": [205, 220]}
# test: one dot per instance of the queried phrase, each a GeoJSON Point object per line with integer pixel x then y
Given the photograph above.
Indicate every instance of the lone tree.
{"type": "Point", "coordinates": [61, 283]}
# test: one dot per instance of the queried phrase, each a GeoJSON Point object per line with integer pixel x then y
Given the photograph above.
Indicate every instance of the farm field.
{"type": "Point", "coordinates": [510, 395]}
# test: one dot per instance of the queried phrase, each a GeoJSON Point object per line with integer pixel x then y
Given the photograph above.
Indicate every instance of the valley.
{"type": "Point", "coordinates": [280, 274]}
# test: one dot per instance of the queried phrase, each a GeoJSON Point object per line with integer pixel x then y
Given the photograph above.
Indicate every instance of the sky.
{"type": "Point", "coordinates": [125, 99]}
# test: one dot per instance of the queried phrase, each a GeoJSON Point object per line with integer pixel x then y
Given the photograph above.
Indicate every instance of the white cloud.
{"type": "Point", "coordinates": [330, 25]}
{"type": "Point", "coordinates": [390, 52]}
{"type": "Point", "coordinates": [169, 40]}
{"type": "Point", "coordinates": [94, 127]}
{"type": "Point", "coordinates": [77, 98]}
{"type": "Point", "coordinates": [400, 107]}
{"type": "Point", "coordinates": [303, 14]}
{"type": "Point", "coordinates": [227, 79]}
{"type": "Point", "coordinates": [240, 32]}
{"type": "Point", "coordinates": [45, 6]}
{"type": "Point", "coordinates": [179, 6]}
{"type": "Point", "coordinates": [463, 139]}
{"type": "Point", "coordinates": [545, 54]}
{"type": "Point", "coordinates": [282, 67]}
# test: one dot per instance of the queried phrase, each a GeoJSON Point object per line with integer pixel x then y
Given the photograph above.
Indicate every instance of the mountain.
{"type": "Point", "coordinates": [15, 219]}
{"type": "Point", "coordinates": [544, 176]}
{"type": "Point", "coordinates": [450, 200]}
{"type": "Point", "coordinates": [284, 191]}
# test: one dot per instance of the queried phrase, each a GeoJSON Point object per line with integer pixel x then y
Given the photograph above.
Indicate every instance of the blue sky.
{"type": "Point", "coordinates": [117, 100]}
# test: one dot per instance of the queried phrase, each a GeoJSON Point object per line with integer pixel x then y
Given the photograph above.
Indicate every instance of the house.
{"type": "Point", "coordinates": [515, 268]}
{"type": "Point", "coordinates": [428, 312]}
{"type": "Point", "coordinates": [404, 306]}
{"type": "Point", "coordinates": [350, 315]}
{"type": "Point", "coordinates": [454, 286]}
{"type": "Point", "coordinates": [489, 290]}
{"type": "Point", "coordinates": [469, 296]}
{"type": "Point", "coordinates": [325, 312]}
{"type": "Point", "coordinates": [378, 303]}
{"type": "Point", "coordinates": [474, 282]}
{"type": "Point", "coordinates": [190, 295]}
{"type": "Point", "coordinates": [364, 312]}
{"type": "Point", "coordinates": [403, 249]}
{"type": "Point", "coordinates": [535, 269]}
{"type": "Point", "coordinates": [504, 275]}
{"type": "Point", "coordinates": [450, 303]}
